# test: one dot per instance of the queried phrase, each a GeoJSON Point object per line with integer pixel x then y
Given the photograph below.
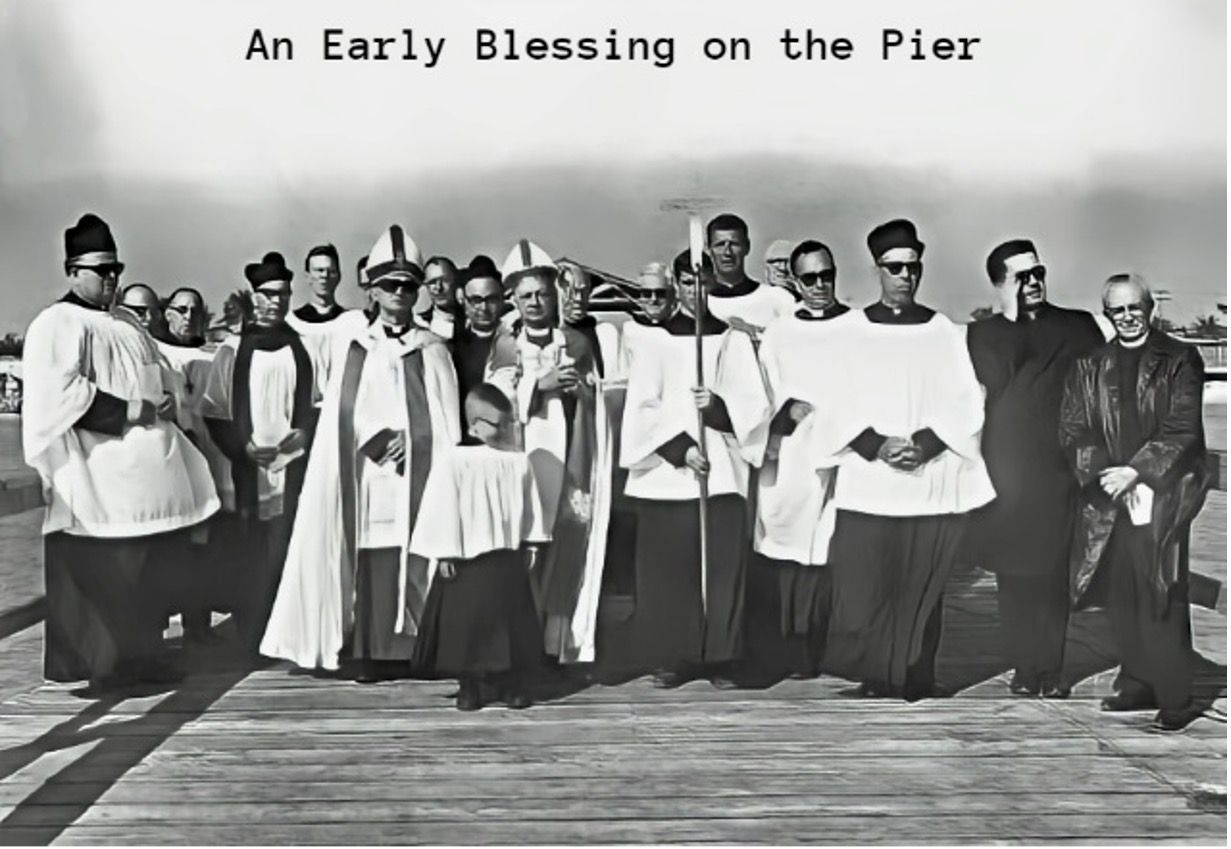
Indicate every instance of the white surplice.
{"type": "Point", "coordinates": [659, 406]}
{"type": "Point", "coordinates": [272, 377]}
{"type": "Point", "coordinates": [898, 379]}
{"type": "Point", "coordinates": [796, 513]}
{"type": "Point", "coordinates": [147, 480]}
{"type": "Point", "coordinates": [190, 369]}
{"type": "Point", "coordinates": [762, 305]}
{"type": "Point", "coordinates": [314, 608]}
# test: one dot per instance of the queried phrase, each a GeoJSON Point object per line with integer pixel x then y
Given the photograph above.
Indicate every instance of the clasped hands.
{"type": "Point", "coordinates": [563, 378]}
{"type": "Point", "coordinates": [901, 453]}
{"type": "Point", "coordinates": [264, 455]}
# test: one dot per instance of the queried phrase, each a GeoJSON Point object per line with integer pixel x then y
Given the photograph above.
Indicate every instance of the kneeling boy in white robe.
{"type": "Point", "coordinates": [480, 623]}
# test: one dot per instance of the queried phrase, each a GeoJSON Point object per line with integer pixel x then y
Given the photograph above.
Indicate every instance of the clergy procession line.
{"type": "Point", "coordinates": [449, 492]}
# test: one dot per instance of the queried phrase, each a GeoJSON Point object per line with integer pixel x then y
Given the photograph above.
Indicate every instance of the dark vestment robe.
{"type": "Point", "coordinates": [470, 353]}
{"type": "Point", "coordinates": [1149, 418]}
{"type": "Point", "coordinates": [482, 621]}
{"type": "Point", "coordinates": [1024, 536]}
{"type": "Point", "coordinates": [309, 314]}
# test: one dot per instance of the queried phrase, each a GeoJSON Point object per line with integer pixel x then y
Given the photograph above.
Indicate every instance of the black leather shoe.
{"type": "Point", "coordinates": [1171, 720]}
{"type": "Point", "coordinates": [667, 680]}
{"type": "Point", "coordinates": [468, 697]}
{"type": "Point", "coordinates": [1128, 701]}
{"type": "Point", "coordinates": [722, 682]}
{"type": "Point", "coordinates": [1055, 690]}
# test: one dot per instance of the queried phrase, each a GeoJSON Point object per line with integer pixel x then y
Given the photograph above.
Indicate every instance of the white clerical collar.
{"type": "Point", "coordinates": [1137, 344]}
{"type": "Point", "coordinates": [482, 334]}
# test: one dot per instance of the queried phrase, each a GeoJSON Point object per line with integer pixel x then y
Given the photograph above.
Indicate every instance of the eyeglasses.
{"type": "Point", "coordinates": [653, 294]}
{"type": "Point", "coordinates": [139, 310]}
{"type": "Point", "coordinates": [1039, 273]}
{"type": "Point", "coordinates": [395, 286]}
{"type": "Point", "coordinates": [186, 309]}
{"type": "Point", "coordinates": [1134, 310]}
{"type": "Point", "coordinates": [812, 278]}
{"type": "Point", "coordinates": [779, 263]}
{"type": "Point", "coordinates": [896, 268]}
{"type": "Point", "coordinates": [484, 300]}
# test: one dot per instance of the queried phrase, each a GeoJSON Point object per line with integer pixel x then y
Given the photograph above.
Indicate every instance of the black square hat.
{"type": "Point", "coordinates": [898, 233]}
{"type": "Point", "coordinates": [89, 243]}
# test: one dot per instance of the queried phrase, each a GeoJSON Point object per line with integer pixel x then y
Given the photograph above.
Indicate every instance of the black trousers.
{"type": "Point", "coordinates": [107, 601]}
{"type": "Point", "coordinates": [1155, 646]}
{"type": "Point", "coordinates": [265, 545]}
{"type": "Point", "coordinates": [1034, 616]}
{"type": "Point", "coordinates": [376, 608]}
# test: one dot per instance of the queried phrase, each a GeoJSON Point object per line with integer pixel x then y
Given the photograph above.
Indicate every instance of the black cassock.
{"type": "Point", "coordinates": [1025, 534]}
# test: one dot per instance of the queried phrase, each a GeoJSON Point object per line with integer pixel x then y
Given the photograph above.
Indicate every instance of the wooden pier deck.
{"type": "Point", "coordinates": [270, 757]}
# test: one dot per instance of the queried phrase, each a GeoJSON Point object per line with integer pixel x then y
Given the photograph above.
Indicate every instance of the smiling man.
{"type": "Point", "coordinates": [1021, 357]}
{"type": "Point", "coordinates": [1131, 429]}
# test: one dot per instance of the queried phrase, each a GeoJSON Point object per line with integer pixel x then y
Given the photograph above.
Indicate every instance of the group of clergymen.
{"type": "Point", "coordinates": [437, 492]}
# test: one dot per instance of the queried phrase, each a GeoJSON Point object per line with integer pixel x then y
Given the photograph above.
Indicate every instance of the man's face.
{"type": "Point", "coordinates": [395, 297]}
{"type": "Point", "coordinates": [487, 424]}
{"type": "Point", "coordinates": [656, 297]}
{"type": "Point", "coordinates": [816, 279]}
{"type": "Point", "coordinates": [777, 272]}
{"type": "Point", "coordinates": [686, 288]}
{"type": "Point", "coordinates": [323, 276]}
{"type": "Point", "coordinates": [900, 272]}
{"type": "Point", "coordinates": [441, 283]}
{"type": "Point", "coordinates": [270, 302]}
{"type": "Point", "coordinates": [186, 317]}
{"type": "Point", "coordinates": [535, 296]}
{"type": "Point", "coordinates": [482, 299]}
{"type": "Point", "coordinates": [728, 249]}
{"type": "Point", "coordinates": [95, 284]}
{"type": "Point", "coordinates": [575, 284]}
{"type": "Point", "coordinates": [1025, 279]}
{"type": "Point", "coordinates": [143, 304]}
{"type": "Point", "coordinates": [1129, 311]}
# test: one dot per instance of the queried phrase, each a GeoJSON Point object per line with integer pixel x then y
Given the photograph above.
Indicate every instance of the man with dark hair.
{"type": "Point", "coordinates": [689, 620]}
{"type": "Point", "coordinates": [1131, 429]}
{"type": "Point", "coordinates": [444, 313]}
{"type": "Point", "coordinates": [735, 297]}
{"type": "Point", "coordinates": [1021, 357]}
{"type": "Point", "coordinates": [789, 575]}
{"type": "Point", "coordinates": [905, 442]}
{"type": "Point", "coordinates": [322, 314]}
{"type": "Point", "coordinates": [122, 482]}
{"type": "Point", "coordinates": [259, 404]}
{"type": "Point", "coordinates": [482, 297]}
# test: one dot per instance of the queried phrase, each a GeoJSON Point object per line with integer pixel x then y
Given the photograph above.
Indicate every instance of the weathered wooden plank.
{"type": "Point", "coordinates": [451, 808]}
{"type": "Point", "coordinates": [814, 829]}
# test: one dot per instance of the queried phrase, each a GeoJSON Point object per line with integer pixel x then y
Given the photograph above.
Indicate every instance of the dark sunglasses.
{"type": "Point", "coordinates": [394, 286]}
{"type": "Point", "coordinates": [812, 278]}
{"type": "Point", "coordinates": [654, 294]}
{"type": "Point", "coordinates": [138, 310]}
{"type": "Point", "coordinates": [104, 270]}
{"type": "Point", "coordinates": [1039, 273]}
{"type": "Point", "coordinates": [895, 268]}
{"type": "Point", "coordinates": [185, 310]}
{"type": "Point", "coordinates": [1138, 310]}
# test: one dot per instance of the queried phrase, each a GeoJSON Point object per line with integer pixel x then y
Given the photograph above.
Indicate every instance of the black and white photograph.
{"type": "Point", "coordinates": [613, 423]}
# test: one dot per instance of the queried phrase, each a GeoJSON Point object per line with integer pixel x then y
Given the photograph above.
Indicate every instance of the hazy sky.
{"type": "Point", "coordinates": [1099, 127]}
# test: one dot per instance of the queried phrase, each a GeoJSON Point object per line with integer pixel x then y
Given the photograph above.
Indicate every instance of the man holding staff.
{"type": "Point", "coordinates": [689, 614]}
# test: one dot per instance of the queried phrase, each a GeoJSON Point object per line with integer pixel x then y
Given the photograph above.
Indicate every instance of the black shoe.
{"type": "Point", "coordinates": [517, 701]}
{"type": "Point", "coordinates": [666, 679]}
{"type": "Point", "coordinates": [1129, 700]}
{"type": "Point", "coordinates": [1024, 685]}
{"type": "Point", "coordinates": [468, 697]}
{"type": "Point", "coordinates": [722, 682]}
{"type": "Point", "coordinates": [1171, 720]}
{"type": "Point", "coordinates": [1054, 688]}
